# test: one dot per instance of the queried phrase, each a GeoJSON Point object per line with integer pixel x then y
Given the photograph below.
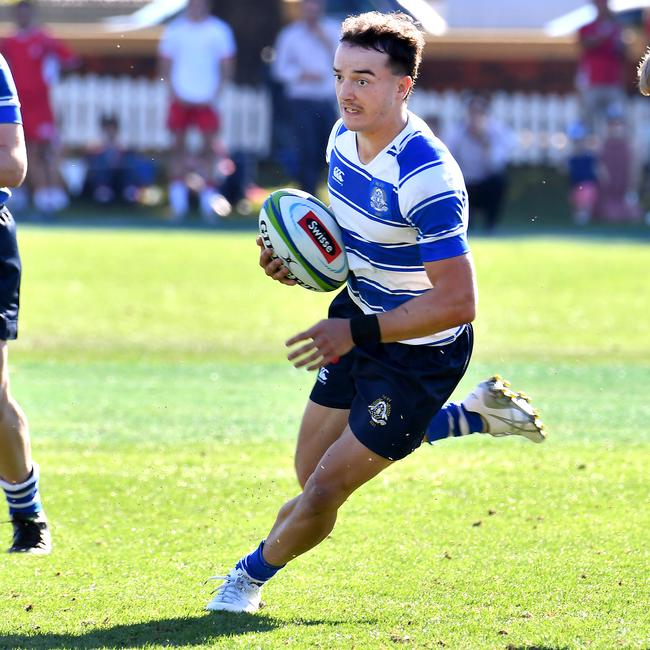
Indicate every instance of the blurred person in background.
{"type": "Point", "coordinates": [19, 474]}
{"type": "Point", "coordinates": [115, 173]}
{"type": "Point", "coordinates": [600, 79]}
{"type": "Point", "coordinates": [303, 65]}
{"type": "Point", "coordinates": [618, 197]}
{"type": "Point", "coordinates": [582, 167]}
{"type": "Point", "coordinates": [35, 58]}
{"type": "Point", "coordinates": [197, 57]}
{"type": "Point", "coordinates": [483, 148]}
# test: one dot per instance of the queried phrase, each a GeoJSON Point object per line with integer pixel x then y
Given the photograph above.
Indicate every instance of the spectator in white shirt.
{"type": "Point", "coordinates": [197, 55]}
{"type": "Point", "coordinates": [303, 64]}
{"type": "Point", "coordinates": [482, 146]}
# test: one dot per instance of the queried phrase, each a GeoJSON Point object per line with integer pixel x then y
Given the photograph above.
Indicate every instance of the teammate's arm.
{"type": "Point", "coordinates": [13, 157]}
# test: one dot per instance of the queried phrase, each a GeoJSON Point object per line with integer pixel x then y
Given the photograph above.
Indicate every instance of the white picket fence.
{"type": "Point", "coordinates": [539, 121]}
{"type": "Point", "coordinates": [141, 107]}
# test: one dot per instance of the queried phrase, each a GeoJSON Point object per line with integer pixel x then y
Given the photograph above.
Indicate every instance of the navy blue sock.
{"type": "Point", "coordinates": [257, 567]}
{"type": "Point", "coordinates": [451, 421]}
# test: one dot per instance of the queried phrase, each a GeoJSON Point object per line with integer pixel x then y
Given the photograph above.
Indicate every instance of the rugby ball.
{"type": "Point", "coordinates": [303, 233]}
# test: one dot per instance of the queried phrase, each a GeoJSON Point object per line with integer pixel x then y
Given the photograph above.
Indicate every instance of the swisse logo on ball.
{"type": "Point", "coordinates": [319, 234]}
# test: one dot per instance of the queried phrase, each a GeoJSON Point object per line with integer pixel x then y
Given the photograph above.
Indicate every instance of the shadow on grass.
{"type": "Point", "coordinates": [178, 632]}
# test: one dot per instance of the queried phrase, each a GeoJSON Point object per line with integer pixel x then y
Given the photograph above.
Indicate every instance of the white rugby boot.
{"type": "Point", "coordinates": [504, 411]}
{"type": "Point", "coordinates": [238, 593]}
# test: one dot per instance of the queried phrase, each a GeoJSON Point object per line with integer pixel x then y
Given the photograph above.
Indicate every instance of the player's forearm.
{"type": "Point", "coordinates": [434, 311]}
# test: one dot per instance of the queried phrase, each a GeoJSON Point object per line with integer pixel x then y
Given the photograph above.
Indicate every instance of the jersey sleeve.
{"type": "Point", "coordinates": [433, 199]}
{"type": "Point", "coordinates": [9, 104]}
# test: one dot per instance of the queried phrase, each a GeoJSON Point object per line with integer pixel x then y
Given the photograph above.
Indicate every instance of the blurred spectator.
{"type": "Point", "coordinates": [600, 79]}
{"type": "Point", "coordinates": [114, 173]}
{"type": "Point", "coordinates": [618, 198]}
{"type": "Point", "coordinates": [303, 64]}
{"type": "Point", "coordinates": [197, 56]}
{"type": "Point", "coordinates": [483, 147]}
{"type": "Point", "coordinates": [35, 58]}
{"type": "Point", "coordinates": [583, 174]}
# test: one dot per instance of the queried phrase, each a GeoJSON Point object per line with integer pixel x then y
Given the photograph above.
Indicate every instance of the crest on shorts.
{"type": "Point", "coordinates": [378, 198]}
{"type": "Point", "coordinates": [380, 410]}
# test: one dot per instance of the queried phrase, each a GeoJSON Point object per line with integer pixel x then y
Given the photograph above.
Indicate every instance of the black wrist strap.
{"type": "Point", "coordinates": [365, 329]}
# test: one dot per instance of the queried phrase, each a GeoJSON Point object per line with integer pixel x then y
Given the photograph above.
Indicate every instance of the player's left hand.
{"type": "Point", "coordinates": [327, 341]}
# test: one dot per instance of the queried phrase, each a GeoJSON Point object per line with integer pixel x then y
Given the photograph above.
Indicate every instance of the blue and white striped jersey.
{"type": "Point", "coordinates": [406, 207]}
{"type": "Point", "coordinates": [9, 108]}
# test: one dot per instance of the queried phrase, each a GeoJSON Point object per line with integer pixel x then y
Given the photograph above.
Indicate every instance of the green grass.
{"type": "Point", "coordinates": [181, 295]}
{"type": "Point", "coordinates": [163, 413]}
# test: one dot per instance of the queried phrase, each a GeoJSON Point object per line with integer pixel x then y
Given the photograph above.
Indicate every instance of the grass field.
{"type": "Point", "coordinates": [163, 413]}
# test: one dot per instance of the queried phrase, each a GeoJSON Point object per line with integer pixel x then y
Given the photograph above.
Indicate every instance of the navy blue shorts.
{"type": "Point", "coordinates": [10, 269]}
{"type": "Point", "coordinates": [391, 389]}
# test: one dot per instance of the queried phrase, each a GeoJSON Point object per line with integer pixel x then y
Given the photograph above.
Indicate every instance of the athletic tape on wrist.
{"type": "Point", "coordinates": [365, 329]}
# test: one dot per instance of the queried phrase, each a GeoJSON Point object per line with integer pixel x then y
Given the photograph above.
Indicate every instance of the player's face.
{"type": "Point", "coordinates": [370, 95]}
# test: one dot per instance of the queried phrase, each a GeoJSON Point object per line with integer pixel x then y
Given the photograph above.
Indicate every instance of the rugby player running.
{"type": "Point", "coordinates": [398, 339]}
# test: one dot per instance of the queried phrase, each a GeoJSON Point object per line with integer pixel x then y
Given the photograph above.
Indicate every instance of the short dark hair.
{"type": "Point", "coordinates": [395, 34]}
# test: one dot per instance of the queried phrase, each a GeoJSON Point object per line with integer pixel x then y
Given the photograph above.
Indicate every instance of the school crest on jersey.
{"type": "Point", "coordinates": [379, 197]}
{"type": "Point", "coordinates": [380, 410]}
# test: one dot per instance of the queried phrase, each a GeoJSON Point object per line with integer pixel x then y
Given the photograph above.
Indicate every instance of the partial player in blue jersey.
{"type": "Point", "coordinates": [18, 473]}
{"type": "Point", "coordinates": [399, 338]}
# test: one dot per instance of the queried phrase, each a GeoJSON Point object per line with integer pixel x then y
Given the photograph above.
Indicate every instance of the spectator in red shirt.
{"type": "Point", "coordinates": [601, 69]}
{"type": "Point", "coordinates": [35, 57]}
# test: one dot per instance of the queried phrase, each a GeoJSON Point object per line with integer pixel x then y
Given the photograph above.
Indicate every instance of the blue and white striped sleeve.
{"type": "Point", "coordinates": [9, 104]}
{"type": "Point", "coordinates": [433, 199]}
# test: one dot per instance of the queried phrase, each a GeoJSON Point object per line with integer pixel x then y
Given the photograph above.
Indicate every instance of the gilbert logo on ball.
{"type": "Point", "coordinates": [304, 234]}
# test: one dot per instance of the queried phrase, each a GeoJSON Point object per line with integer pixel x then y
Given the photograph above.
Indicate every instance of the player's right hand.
{"type": "Point", "coordinates": [273, 266]}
